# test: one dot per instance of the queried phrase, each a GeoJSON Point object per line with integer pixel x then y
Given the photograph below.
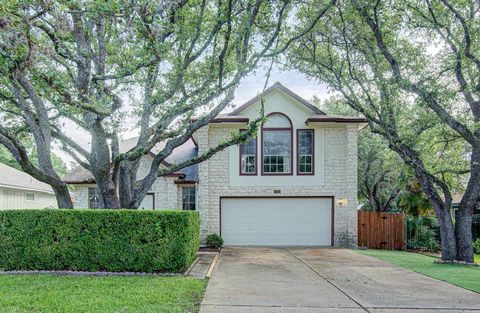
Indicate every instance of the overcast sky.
{"type": "Point", "coordinates": [293, 80]}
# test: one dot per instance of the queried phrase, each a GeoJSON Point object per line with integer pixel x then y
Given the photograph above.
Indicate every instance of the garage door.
{"type": "Point", "coordinates": [276, 221]}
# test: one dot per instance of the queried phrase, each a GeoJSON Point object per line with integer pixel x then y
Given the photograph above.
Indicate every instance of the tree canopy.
{"type": "Point", "coordinates": [412, 69]}
{"type": "Point", "coordinates": [77, 62]}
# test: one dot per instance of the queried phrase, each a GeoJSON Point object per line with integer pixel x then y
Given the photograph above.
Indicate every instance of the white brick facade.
{"type": "Point", "coordinates": [340, 180]}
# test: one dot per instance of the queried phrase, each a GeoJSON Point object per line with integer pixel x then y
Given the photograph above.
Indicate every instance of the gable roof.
{"type": "Point", "coordinates": [186, 151]}
{"type": "Point", "coordinates": [13, 178]}
{"type": "Point", "coordinates": [277, 86]}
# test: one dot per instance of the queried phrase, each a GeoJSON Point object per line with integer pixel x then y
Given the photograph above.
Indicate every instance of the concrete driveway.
{"type": "Point", "coordinates": [324, 280]}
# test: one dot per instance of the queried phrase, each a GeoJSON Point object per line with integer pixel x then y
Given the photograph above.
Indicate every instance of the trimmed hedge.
{"type": "Point", "coordinates": [98, 240]}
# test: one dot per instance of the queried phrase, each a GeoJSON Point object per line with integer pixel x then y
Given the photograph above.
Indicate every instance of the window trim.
{"type": "Point", "coordinates": [291, 145]}
{"type": "Point", "coordinates": [298, 152]}
{"type": "Point", "coordinates": [240, 158]}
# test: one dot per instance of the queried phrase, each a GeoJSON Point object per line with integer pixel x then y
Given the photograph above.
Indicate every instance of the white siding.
{"type": "Point", "coordinates": [11, 198]}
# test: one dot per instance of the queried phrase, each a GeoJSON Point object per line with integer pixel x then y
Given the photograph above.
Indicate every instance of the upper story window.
{"type": "Point", "coordinates": [277, 145]}
{"type": "Point", "coordinates": [248, 157]}
{"type": "Point", "coordinates": [305, 150]}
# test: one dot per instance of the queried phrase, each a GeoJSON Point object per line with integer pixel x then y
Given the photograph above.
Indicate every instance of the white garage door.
{"type": "Point", "coordinates": [276, 221]}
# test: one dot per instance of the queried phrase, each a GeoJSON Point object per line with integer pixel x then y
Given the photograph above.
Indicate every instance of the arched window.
{"type": "Point", "coordinates": [277, 145]}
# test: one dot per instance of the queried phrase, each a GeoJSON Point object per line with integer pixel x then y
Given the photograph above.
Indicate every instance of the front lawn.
{"type": "Point", "coordinates": [75, 294]}
{"type": "Point", "coordinates": [467, 277]}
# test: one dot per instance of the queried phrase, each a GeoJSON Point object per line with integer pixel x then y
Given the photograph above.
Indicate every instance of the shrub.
{"type": "Point", "coordinates": [214, 241]}
{"type": "Point", "coordinates": [476, 246]}
{"type": "Point", "coordinates": [423, 233]}
{"type": "Point", "coordinates": [98, 240]}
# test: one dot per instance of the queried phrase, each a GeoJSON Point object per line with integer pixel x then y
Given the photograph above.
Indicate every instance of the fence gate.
{"type": "Point", "coordinates": [378, 230]}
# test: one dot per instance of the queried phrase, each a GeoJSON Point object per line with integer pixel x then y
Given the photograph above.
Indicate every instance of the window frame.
{"type": "Point", "coordinates": [30, 193]}
{"type": "Point", "coordinates": [298, 152]}
{"type": "Point", "coordinates": [194, 200]}
{"type": "Point", "coordinates": [291, 145]}
{"type": "Point", "coordinates": [240, 158]}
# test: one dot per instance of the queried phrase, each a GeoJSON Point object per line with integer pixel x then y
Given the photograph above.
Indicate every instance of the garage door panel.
{"type": "Point", "coordinates": [276, 221]}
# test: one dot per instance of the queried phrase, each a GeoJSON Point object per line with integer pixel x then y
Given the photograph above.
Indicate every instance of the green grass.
{"type": "Point", "coordinates": [477, 258]}
{"type": "Point", "coordinates": [467, 277]}
{"type": "Point", "coordinates": [69, 294]}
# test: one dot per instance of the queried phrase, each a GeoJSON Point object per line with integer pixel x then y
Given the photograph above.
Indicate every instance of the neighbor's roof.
{"type": "Point", "coordinates": [184, 152]}
{"type": "Point", "coordinates": [15, 179]}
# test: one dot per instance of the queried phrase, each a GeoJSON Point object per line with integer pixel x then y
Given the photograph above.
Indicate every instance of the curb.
{"type": "Point", "coordinates": [191, 267]}
{"type": "Point", "coordinates": [212, 266]}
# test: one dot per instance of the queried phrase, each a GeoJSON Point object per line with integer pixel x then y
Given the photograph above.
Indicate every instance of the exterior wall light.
{"type": "Point", "coordinates": [343, 202]}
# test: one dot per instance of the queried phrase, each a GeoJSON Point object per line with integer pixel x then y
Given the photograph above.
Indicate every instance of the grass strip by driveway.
{"type": "Point", "coordinates": [68, 294]}
{"type": "Point", "coordinates": [467, 277]}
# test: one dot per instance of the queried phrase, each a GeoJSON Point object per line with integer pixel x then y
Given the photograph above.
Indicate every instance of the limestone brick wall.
{"type": "Point", "coordinates": [340, 180]}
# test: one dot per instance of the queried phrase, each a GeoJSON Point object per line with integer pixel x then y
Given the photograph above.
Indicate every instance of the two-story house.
{"type": "Point", "coordinates": [294, 184]}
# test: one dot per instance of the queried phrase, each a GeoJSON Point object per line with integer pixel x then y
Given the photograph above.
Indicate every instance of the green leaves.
{"type": "Point", "coordinates": [98, 240]}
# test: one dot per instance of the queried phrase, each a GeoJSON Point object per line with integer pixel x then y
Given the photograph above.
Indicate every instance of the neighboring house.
{"type": "Point", "coordinates": [19, 190]}
{"type": "Point", "coordinates": [294, 184]}
{"type": "Point", "coordinates": [456, 198]}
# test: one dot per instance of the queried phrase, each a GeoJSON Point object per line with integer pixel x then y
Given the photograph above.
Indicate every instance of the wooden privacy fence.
{"type": "Point", "coordinates": [378, 230]}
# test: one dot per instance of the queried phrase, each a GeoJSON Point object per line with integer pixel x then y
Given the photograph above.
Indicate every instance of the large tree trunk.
{"type": "Point", "coordinates": [464, 214]}
{"type": "Point", "coordinates": [126, 182]}
{"type": "Point", "coordinates": [100, 163]}
{"type": "Point", "coordinates": [463, 230]}
{"type": "Point", "coordinates": [110, 196]}
{"type": "Point", "coordinates": [447, 235]}
{"type": "Point", "coordinates": [441, 207]}
{"type": "Point", "coordinates": [64, 201]}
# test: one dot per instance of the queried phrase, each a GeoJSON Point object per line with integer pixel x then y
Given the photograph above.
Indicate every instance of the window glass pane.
{"type": "Point", "coordinates": [277, 121]}
{"type": "Point", "coordinates": [277, 143]}
{"type": "Point", "coordinates": [247, 157]}
{"type": "Point", "coordinates": [305, 151]}
{"type": "Point", "coordinates": [305, 142]}
{"type": "Point", "coordinates": [30, 196]}
{"type": "Point", "coordinates": [248, 147]}
{"type": "Point", "coordinates": [93, 198]}
{"type": "Point", "coordinates": [277, 151]}
{"type": "Point", "coordinates": [188, 198]}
